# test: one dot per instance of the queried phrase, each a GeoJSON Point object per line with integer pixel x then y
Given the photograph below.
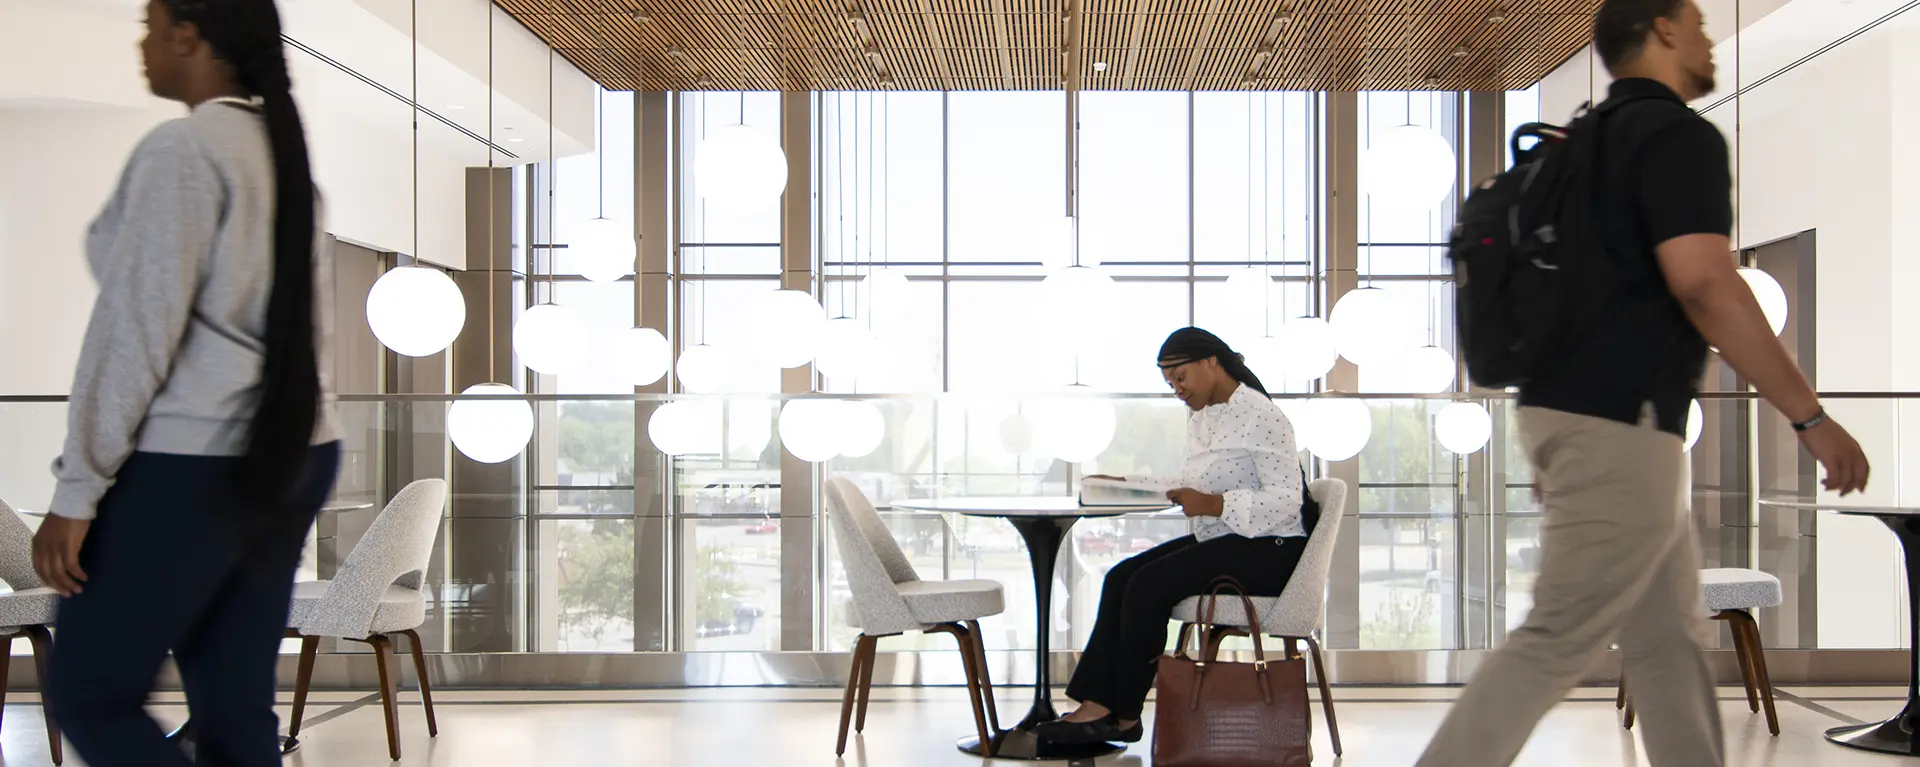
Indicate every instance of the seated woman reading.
{"type": "Point", "coordinates": [1244, 489]}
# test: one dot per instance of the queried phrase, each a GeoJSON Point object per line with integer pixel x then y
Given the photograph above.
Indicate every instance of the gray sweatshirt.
{"type": "Point", "coordinates": [183, 253]}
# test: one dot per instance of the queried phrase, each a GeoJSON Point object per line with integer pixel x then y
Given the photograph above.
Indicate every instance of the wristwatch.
{"type": "Point", "coordinates": [1818, 418]}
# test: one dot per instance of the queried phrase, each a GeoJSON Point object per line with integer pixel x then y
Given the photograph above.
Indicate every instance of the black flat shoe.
{"type": "Point", "coordinates": [1103, 730]}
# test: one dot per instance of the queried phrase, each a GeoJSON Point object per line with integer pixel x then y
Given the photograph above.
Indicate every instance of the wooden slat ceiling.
{"type": "Point", "coordinates": [958, 45]}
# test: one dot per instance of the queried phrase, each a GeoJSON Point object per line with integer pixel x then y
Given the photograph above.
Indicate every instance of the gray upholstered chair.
{"type": "Point", "coordinates": [890, 599]}
{"type": "Point", "coordinates": [376, 595]}
{"type": "Point", "coordinates": [1732, 594]}
{"type": "Point", "coordinates": [27, 611]}
{"type": "Point", "coordinates": [1300, 611]}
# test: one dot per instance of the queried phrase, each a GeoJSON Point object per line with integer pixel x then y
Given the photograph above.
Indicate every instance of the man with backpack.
{"type": "Point", "coordinates": [1593, 276]}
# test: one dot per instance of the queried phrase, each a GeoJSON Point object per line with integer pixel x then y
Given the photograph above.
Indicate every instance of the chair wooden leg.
{"type": "Point", "coordinates": [972, 668]}
{"type": "Point", "coordinates": [420, 670]}
{"type": "Point", "coordinates": [1326, 692]}
{"type": "Point", "coordinates": [1740, 652]}
{"type": "Point", "coordinates": [6, 662]}
{"type": "Point", "coordinates": [309, 649]}
{"type": "Point", "coordinates": [383, 654]}
{"type": "Point", "coordinates": [866, 686]}
{"type": "Point", "coordinates": [986, 677]}
{"type": "Point", "coordinates": [1620, 698]}
{"type": "Point", "coordinates": [1757, 656]}
{"type": "Point", "coordinates": [1627, 721]}
{"type": "Point", "coordinates": [853, 690]}
{"type": "Point", "coordinates": [42, 641]}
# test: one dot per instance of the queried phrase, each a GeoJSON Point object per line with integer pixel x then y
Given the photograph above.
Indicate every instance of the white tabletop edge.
{"type": "Point", "coordinates": [1044, 506]}
{"type": "Point", "coordinates": [1840, 507]}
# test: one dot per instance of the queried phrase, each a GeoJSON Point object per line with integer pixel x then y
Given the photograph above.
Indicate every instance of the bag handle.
{"type": "Point", "coordinates": [1214, 589]}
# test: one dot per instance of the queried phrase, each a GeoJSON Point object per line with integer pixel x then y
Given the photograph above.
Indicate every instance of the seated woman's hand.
{"type": "Point", "coordinates": [1194, 503]}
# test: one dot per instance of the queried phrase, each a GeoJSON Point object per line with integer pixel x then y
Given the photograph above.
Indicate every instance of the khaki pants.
{"type": "Point", "coordinates": [1618, 562]}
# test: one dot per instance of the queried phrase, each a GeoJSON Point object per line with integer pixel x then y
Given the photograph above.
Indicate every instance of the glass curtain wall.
{"type": "Point", "coordinates": [964, 195]}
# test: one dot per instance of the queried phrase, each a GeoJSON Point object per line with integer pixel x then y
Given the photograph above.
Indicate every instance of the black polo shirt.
{"type": "Point", "coordinates": [1663, 174]}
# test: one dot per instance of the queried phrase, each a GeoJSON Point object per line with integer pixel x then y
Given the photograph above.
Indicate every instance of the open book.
{"type": "Point", "coordinates": [1109, 492]}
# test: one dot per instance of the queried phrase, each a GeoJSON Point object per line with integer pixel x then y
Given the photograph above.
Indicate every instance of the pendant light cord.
{"type": "Point", "coordinates": [492, 264]}
{"type": "Point", "coordinates": [413, 34]}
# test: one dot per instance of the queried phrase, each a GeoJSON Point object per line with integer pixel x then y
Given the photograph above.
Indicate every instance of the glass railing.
{"type": "Point", "coordinates": [592, 541]}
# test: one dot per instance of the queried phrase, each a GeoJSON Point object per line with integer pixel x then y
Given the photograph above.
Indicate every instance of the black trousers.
{"type": "Point", "coordinates": [1130, 632]}
{"type": "Point", "coordinates": [176, 562]}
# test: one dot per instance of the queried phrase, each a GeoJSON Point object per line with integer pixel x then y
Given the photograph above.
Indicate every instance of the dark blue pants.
{"type": "Point", "coordinates": [176, 562]}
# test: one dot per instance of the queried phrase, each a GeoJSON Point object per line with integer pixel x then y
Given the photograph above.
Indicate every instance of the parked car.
{"type": "Point", "coordinates": [767, 527]}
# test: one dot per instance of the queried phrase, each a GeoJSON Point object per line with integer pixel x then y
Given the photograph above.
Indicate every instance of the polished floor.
{"type": "Point", "coordinates": [908, 727]}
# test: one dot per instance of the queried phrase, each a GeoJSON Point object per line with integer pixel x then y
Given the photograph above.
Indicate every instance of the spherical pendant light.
{"type": "Point", "coordinates": [861, 430]}
{"type": "Point", "coordinates": [603, 249]}
{"type": "Point", "coordinates": [847, 351]}
{"type": "Point", "coordinates": [788, 331]}
{"type": "Point", "coordinates": [641, 355]}
{"type": "Point", "coordinates": [1077, 303]}
{"type": "Point", "coordinates": [1075, 429]}
{"type": "Point", "coordinates": [1341, 428]}
{"type": "Point", "coordinates": [490, 430]}
{"type": "Point", "coordinates": [1372, 326]}
{"type": "Point", "coordinates": [1772, 298]}
{"type": "Point", "coordinates": [1267, 358]}
{"type": "Point", "coordinates": [741, 168]}
{"type": "Point", "coordinates": [1247, 287]}
{"type": "Point", "coordinates": [1696, 421]}
{"type": "Point", "coordinates": [1429, 370]}
{"type": "Point", "coordinates": [749, 428]}
{"type": "Point", "coordinates": [1016, 434]}
{"type": "Point", "coordinates": [704, 369]}
{"type": "Point", "coordinates": [1306, 344]}
{"type": "Point", "coordinates": [1410, 166]}
{"type": "Point", "coordinates": [1463, 427]}
{"type": "Point", "coordinates": [808, 429]}
{"type": "Point", "coordinates": [551, 339]}
{"type": "Point", "coordinates": [416, 311]}
{"type": "Point", "coordinates": [686, 427]}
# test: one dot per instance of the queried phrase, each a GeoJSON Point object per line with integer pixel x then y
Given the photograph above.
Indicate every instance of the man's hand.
{"type": "Point", "coordinates": [1840, 455]}
{"type": "Point", "coordinates": [56, 553]}
{"type": "Point", "coordinates": [1194, 503]}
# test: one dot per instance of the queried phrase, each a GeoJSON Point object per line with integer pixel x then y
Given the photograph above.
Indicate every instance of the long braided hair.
{"type": "Point", "coordinates": [246, 35]}
{"type": "Point", "coordinates": [1190, 344]}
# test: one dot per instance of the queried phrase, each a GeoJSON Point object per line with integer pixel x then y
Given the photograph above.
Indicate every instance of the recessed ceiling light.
{"type": "Point", "coordinates": [1497, 17]}
{"type": "Point", "coordinates": [1462, 52]}
{"type": "Point", "coordinates": [454, 107]}
{"type": "Point", "coordinates": [1099, 66]}
{"type": "Point", "coordinates": [642, 17]}
{"type": "Point", "coordinates": [516, 140]}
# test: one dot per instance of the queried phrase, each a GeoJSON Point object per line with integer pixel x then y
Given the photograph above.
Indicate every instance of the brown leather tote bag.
{"type": "Point", "coordinates": [1212, 714]}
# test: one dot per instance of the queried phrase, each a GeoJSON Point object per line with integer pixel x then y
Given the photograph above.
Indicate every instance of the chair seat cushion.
{"type": "Point", "coordinates": [1276, 616]}
{"type": "Point", "coordinates": [400, 609]}
{"type": "Point", "coordinates": [934, 602]}
{"type": "Point", "coordinates": [1733, 588]}
{"type": "Point", "coordinates": [32, 607]}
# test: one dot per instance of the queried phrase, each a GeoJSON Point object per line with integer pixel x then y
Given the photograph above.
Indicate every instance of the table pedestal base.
{"type": "Point", "coordinates": [1023, 744]}
{"type": "Point", "coordinates": [1894, 736]}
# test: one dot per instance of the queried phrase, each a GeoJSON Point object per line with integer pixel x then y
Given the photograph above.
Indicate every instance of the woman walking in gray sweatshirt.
{"type": "Point", "coordinates": [200, 440]}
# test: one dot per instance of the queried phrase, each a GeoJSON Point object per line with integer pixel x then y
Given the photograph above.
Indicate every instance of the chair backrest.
{"type": "Point", "coordinates": [16, 551]}
{"type": "Point", "coordinates": [873, 561]}
{"type": "Point", "coordinates": [395, 551]}
{"type": "Point", "coordinates": [1306, 591]}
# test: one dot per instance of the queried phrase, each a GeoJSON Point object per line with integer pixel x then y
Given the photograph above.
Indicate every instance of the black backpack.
{"type": "Point", "coordinates": [1530, 269]}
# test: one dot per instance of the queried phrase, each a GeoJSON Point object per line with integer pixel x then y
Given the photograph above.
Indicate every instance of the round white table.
{"type": "Point", "coordinates": [1043, 524]}
{"type": "Point", "coordinates": [1896, 735]}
